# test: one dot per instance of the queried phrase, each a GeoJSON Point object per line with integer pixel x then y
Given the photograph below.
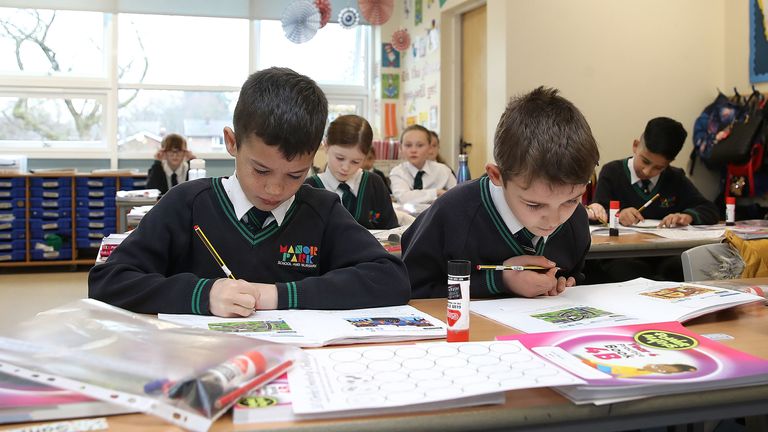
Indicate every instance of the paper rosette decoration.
{"type": "Point", "coordinates": [324, 7]}
{"type": "Point", "coordinates": [348, 18]}
{"type": "Point", "coordinates": [301, 20]}
{"type": "Point", "coordinates": [376, 12]}
{"type": "Point", "coordinates": [401, 40]}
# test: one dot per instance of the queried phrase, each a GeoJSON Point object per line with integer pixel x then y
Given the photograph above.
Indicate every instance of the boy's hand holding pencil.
{"type": "Point", "coordinates": [541, 281]}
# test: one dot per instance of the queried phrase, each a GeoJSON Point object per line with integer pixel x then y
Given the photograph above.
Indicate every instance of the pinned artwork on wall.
{"type": "Point", "coordinates": [410, 120]}
{"type": "Point", "coordinates": [418, 12]}
{"type": "Point", "coordinates": [424, 119]}
{"type": "Point", "coordinates": [401, 40]}
{"type": "Point", "coordinates": [758, 42]}
{"type": "Point", "coordinates": [390, 86]}
{"type": "Point", "coordinates": [390, 120]}
{"type": "Point", "coordinates": [390, 57]}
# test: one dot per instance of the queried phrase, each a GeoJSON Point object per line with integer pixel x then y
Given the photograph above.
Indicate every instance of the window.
{"type": "Point", "coordinates": [103, 85]}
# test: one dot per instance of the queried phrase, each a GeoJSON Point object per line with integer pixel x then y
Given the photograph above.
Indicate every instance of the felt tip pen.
{"type": "Point", "coordinates": [514, 267]}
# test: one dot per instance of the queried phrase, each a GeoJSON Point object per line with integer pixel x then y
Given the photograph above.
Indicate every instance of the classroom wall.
{"type": "Point", "coordinates": [621, 62]}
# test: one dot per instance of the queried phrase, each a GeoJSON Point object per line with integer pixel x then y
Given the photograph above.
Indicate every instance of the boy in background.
{"type": "Point", "coordinates": [171, 166]}
{"type": "Point", "coordinates": [364, 195]}
{"type": "Point", "coordinates": [370, 158]}
{"type": "Point", "coordinates": [527, 211]}
{"type": "Point", "coordinates": [290, 246]}
{"type": "Point", "coordinates": [419, 180]}
{"type": "Point", "coordinates": [635, 180]}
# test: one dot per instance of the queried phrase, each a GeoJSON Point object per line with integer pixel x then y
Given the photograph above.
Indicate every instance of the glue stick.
{"type": "Point", "coordinates": [613, 219]}
{"type": "Point", "coordinates": [458, 300]}
{"type": "Point", "coordinates": [730, 211]}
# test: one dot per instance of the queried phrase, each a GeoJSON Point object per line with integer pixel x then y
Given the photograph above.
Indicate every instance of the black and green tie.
{"type": "Point", "coordinates": [347, 197]}
{"type": "Point", "coordinates": [418, 184]}
{"type": "Point", "coordinates": [524, 239]}
{"type": "Point", "coordinates": [646, 186]}
{"type": "Point", "coordinates": [255, 219]}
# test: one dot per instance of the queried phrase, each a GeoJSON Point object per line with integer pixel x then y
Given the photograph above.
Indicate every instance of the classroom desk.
{"type": "Point", "coordinates": [124, 206]}
{"type": "Point", "coordinates": [543, 409]}
{"type": "Point", "coordinates": [638, 245]}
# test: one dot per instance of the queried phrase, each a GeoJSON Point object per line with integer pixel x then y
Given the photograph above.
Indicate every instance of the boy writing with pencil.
{"type": "Point", "coordinates": [275, 243]}
{"type": "Point", "coordinates": [647, 187]}
{"type": "Point", "coordinates": [526, 212]}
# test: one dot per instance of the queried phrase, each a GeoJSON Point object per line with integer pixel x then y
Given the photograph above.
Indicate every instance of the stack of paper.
{"type": "Point", "coordinates": [632, 362]}
{"type": "Point", "coordinates": [592, 306]}
{"type": "Point", "coordinates": [301, 327]}
{"type": "Point", "coordinates": [651, 226]}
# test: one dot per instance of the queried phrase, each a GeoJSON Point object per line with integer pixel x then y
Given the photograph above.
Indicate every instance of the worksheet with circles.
{"type": "Point", "coordinates": [393, 375]}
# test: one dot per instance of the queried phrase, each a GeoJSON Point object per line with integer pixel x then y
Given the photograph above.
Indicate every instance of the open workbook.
{"type": "Point", "coordinates": [604, 305]}
{"type": "Point", "coordinates": [311, 328]}
{"type": "Point", "coordinates": [632, 362]}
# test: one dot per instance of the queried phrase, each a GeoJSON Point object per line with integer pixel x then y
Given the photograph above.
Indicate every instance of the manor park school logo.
{"type": "Point", "coordinates": [298, 255]}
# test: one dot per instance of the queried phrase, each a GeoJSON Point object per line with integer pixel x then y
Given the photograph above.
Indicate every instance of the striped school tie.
{"type": "Point", "coordinates": [523, 238]}
{"type": "Point", "coordinates": [347, 197]}
{"type": "Point", "coordinates": [255, 219]}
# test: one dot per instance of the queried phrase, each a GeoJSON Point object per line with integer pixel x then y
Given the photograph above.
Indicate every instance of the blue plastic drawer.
{"type": "Point", "coordinates": [88, 243]}
{"type": "Point", "coordinates": [11, 203]}
{"type": "Point", "coordinates": [12, 182]}
{"type": "Point", "coordinates": [93, 234]}
{"type": "Point", "coordinates": [99, 193]}
{"type": "Point", "coordinates": [50, 182]}
{"type": "Point", "coordinates": [18, 255]}
{"type": "Point", "coordinates": [97, 224]}
{"type": "Point", "coordinates": [46, 204]}
{"type": "Point", "coordinates": [12, 234]}
{"type": "Point", "coordinates": [96, 203]}
{"type": "Point", "coordinates": [16, 213]}
{"type": "Point", "coordinates": [96, 182]}
{"type": "Point", "coordinates": [41, 255]}
{"type": "Point", "coordinates": [57, 226]}
{"type": "Point", "coordinates": [13, 246]}
{"type": "Point", "coordinates": [12, 193]}
{"type": "Point", "coordinates": [41, 213]}
{"type": "Point", "coordinates": [96, 213]}
{"type": "Point", "coordinates": [140, 183]}
{"type": "Point", "coordinates": [16, 224]}
{"type": "Point", "coordinates": [50, 193]}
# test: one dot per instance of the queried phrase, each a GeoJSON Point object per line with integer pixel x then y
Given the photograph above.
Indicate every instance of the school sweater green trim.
{"type": "Point", "coordinates": [319, 183]}
{"type": "Point", "coordinates": [293, 300]}
{"type": "Point", "coordinates": [490, 281]}
{"type": "Point", "coordinates": [361, 194]}
{"type": "Point", "coordinates": [196, 294]}
{"type": "Point", "coordinates": [242, 228]}
{"type": "Point", "coordinates": [498, 222]}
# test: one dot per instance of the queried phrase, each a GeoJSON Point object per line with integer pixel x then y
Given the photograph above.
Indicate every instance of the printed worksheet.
{"type": "Point", "coordinates": [605, 305]}
{"type": "Point", "coordinates": [356, 378]}
{"type": "Point", "coordinates": [311, 328]}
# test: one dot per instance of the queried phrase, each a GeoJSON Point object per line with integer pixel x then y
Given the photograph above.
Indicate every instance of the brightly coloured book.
{"type": "Point", "coordinates": [593, 306]}
{"type": "Point", "coordinates": [26, 401]}
{"type": "Point", "coordinates": [631, 362]}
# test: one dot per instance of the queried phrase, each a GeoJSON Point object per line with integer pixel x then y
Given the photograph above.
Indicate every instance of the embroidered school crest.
{"type": "Point", "coordinates": [374, 217]}
{"type": "Point", "coordinates": [667, 202]}
{"type": "Point", "coordinates": [298, 256]}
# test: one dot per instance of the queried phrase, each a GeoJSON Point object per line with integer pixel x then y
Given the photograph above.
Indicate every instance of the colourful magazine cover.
{"type": "Point", "coordinates": [628, 362]}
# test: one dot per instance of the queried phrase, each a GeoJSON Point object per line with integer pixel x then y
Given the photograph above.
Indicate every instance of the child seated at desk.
{"type": "Point", "coordinates": [526, 212]}
{"type": "Point", "coordinates": [419, 180]}
{"type": "Point", "coordinates": [633, 182]}
{"type": "Point", "coordinates": [171, 166]}
{"type": "Point", "coordinates": [362, 193]}
{"type": "Point", "coordinates": [279, 244]}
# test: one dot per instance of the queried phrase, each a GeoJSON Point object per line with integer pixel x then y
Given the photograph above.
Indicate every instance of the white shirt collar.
{"type": "Point", "coordinates": [427, 168]}
{"type": "Point", "coordinates": [514, 225]}
{"type": "Point", "coordinates": [242, 204]}
{"type": "Point", "coordinates": [181, 171]}
{"type": "Point", "coordinates": [330, 182]}
{"type": "Point", "coordinates": [633, 178]}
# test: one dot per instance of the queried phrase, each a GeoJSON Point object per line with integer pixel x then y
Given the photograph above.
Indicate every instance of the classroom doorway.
{"type": "Point", "coordinates": [474, 87]}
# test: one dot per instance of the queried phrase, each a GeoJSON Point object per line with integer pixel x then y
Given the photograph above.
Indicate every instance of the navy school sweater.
{"type": "Point", "coordinates": [373, 208]}
{"type": "Point", "coordinates": [319, 258]}
{"type": "Point", "coordinates": [464, 224]}
{"type": "Point", "coordinates": [676, 194]}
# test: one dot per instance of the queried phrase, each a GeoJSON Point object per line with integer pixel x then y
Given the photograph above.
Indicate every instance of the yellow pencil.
{"type": "Point", "coordinates": [503, 267]}
{"type": "Point", "coordinates": [213, 252]}
{"type": "Point", "coordinates": [650, 201]}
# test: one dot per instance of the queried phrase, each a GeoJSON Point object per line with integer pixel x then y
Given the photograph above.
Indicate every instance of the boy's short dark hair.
{"type": "Point", "coordinates": [416, 127]}
{"type": "Point", "coordinates": [284, 109]}
{"type": "Point", "coordinates": [542, 135]}
{"type": "Point", "coordinates": [173, 142]}
{"type": "Point", "coordinates": [351, 131]}
{"type": "Point", "coordinates": [664, 136]}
